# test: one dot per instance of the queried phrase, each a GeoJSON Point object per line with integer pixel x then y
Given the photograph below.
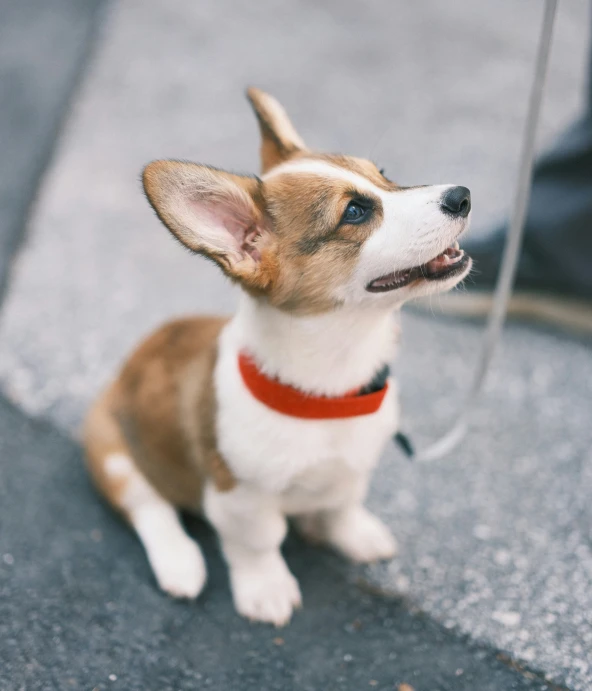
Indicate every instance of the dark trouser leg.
{"type": "Point", "coordinates": [558, 238]}
{"type": "Point", "coordinates": [557, 252]}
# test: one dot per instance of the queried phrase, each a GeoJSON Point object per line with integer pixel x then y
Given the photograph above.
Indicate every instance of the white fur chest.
{"type": "Point", "coordinates": [308, 463]}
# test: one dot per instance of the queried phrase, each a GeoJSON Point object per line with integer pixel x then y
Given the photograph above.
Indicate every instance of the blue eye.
{"type": "Point", "coordinates": [355, 213]}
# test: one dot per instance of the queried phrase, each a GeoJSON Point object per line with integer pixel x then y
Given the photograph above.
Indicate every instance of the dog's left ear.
{"type": "Point", "coordinates": [279, 138]}
{"type": "Point", "coordinates": [214, 213]}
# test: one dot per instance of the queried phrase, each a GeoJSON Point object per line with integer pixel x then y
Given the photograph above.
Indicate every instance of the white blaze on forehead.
{"type": "Point", "coordinates": [325, 170]}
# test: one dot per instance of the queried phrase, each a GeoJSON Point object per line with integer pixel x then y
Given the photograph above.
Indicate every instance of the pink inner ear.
{"type": "Point", "coordinates": [249, 245]}
{"type": "Point", "coordinates": [226, 226]}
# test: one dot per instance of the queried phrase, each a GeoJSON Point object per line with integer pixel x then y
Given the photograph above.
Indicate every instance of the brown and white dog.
{"type": "Point", "coordinates": [250, 419]}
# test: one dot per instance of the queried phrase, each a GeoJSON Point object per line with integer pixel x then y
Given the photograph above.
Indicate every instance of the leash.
{"type": "Point", "coordinates": [505, 281]}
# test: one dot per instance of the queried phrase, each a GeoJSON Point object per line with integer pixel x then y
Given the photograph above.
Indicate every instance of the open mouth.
{"type": "Point", "coordinates": [451, 262]}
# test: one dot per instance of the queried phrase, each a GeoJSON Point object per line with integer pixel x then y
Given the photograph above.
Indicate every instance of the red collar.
{"type": "Point", "coordinates": [290, 401]}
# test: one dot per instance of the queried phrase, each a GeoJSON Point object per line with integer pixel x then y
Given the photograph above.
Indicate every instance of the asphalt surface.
{"type": "Point", "coordinates": [495, 541]}
{"type": "Point", "coordinates": [79, 608]}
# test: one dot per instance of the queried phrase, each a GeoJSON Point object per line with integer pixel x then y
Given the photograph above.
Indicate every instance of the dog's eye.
{"type": "Point", "coordinates": [355, 213]}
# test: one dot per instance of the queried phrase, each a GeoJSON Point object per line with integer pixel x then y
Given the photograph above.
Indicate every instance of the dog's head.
{"type": "Point", "coordinates": [316, 231]}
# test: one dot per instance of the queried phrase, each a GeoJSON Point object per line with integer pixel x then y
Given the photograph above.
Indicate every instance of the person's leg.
{"type": "Point", "coordinates": [557, 250]}
{"type": "Point", "coordinates": [554, 277]}
{"type": "Point", "coordinates": [558, 235]}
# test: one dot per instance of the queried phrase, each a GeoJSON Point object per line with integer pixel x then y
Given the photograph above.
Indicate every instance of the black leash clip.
{"type": "Point", "coordinates": [403, 441]}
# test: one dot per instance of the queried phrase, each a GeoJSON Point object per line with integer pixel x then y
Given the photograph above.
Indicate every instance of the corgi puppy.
{"type": "Point", "coordinates": [283, 410]}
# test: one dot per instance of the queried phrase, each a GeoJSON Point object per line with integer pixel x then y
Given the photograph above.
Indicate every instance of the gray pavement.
{"type": "Point", "coordinates": [79, 609]}
{"type": "Point", "coordinates": [496, 540]}
{"type": "Point", "coordinates": [43, 48]}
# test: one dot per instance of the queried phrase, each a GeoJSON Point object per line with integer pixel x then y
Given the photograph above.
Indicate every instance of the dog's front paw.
{"type": "Point", "coordinates": [361, 536]}
{"type": "Point", "coordinates": [265, 593]}
{"type": "Point", "coordinates": [179, 567]}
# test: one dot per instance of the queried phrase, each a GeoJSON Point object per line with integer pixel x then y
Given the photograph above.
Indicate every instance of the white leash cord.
{"type": "Point", "coordinates": [505, 281]}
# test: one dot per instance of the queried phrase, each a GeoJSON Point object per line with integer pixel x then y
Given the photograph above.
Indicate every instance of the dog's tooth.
{"type": "Point", "coordinates": [456, 245]}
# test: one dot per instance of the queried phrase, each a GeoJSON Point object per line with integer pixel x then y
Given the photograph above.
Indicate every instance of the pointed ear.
{"type": "Point", "coordinates": [279, 138]}
{"type": "Point", "coordinates": [213, 213]}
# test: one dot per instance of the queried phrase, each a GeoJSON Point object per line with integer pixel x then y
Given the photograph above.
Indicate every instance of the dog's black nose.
{"type": "Point", "coordinates": [456, 201]}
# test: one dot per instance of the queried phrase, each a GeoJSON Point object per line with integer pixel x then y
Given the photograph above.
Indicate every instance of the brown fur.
{"type": "Point", "coordinates": [316, 252]}
{"type": "Point", "coordinates": [279, 139]}
{"type": "Point", "coordinates": [303, 250]}
{"type": "Point", "coordinates": [161, 412]}
{"type": "Point", "coordinates": [283, 241]}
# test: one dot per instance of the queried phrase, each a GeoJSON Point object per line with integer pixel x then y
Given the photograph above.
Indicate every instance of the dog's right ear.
{"type": "Point", "coordinates": [214, 213]}
{"type": "Point", "coordinates": [279, 139]}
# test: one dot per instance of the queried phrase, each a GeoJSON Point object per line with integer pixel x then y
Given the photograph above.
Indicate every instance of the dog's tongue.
{"type": "Point", "coordinates": [443, 261]}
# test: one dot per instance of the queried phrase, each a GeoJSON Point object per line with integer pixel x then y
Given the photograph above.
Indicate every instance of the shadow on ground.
{"type": "Point", "coordinates": [79, 608]}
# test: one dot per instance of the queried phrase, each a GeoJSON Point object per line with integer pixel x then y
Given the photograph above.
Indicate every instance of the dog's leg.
{"type": "Point", "coordinates": [350, 528]}
{"type": "Point", "coordinates": [251, 529]}
{"type": "Point", "coordinates": [358, 534]}
{"type": "Point", "coordinates": [175, 558]}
